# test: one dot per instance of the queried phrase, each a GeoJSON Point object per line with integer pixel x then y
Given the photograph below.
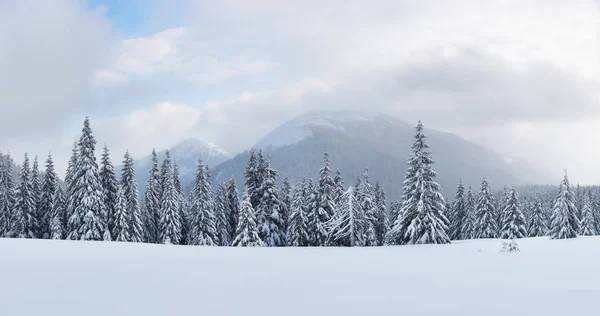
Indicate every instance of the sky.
{"type": "Point", "coordinates": [518, 76]}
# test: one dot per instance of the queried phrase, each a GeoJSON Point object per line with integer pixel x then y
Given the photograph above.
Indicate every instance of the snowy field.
{"type": "Point", "coordinates": [548, 277]}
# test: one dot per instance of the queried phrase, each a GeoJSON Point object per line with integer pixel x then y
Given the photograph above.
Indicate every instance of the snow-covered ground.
{"type": "Point", "coordinates": [548, 277]}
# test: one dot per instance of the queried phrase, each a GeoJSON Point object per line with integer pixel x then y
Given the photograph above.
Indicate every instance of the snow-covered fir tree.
{"type": "Point", "coordinates": [422, 219]}
{"type": "Point", "coordinates": [58, 220]}
{"type": "Point", "coordinates": [365, 196]}
{"type": "Point", "coordinates": [513, 221]}
{"type": "Point", "coordinates": [253, 179]}
{"type": "Point", "coordinates": [221, 209]}
{"type": "Point", "coordinates": [182, 204]}
{"type": "Point", "coordinates": [486, 225]}
{"type": "Point", "coordinates": [122, 216]}
{"type": "Point", "coordinates": [380, 214]}
{"type": "Point", "coordinates": [587, 226]}
{"type": "Point", "coordinates": [233, 207]}
{"type": "Point", "coordinates": [7, 194]}
{"type": "Point", "coordinates": [36, 192]}
{"type": "Point", "coordinates": [132, 199]}
{"type": "Point", "coordinates": [269, 213]}
{"type": "Point", "coordinates": [500, 204]}
{"type": "Point", "coordinates": [246, 234]}
{"type": "Point", "coordinates": [297, 229]}
{"type": "Point", "coordinates": [88, 222]}
{"type": "Point", "coordinates": [595, 200]}
{"type": "Point", "coordinates": [537, 221]}
{"type": "Point", "coordinates": [24, 221]}
{"type": "Point", "coordinates": [286, 201]}
{"type": "Point", "coordinates": [320, 215]}
{"type": "Point", "coordinates": [203, 221]}
{"type": "Point", "coordinates": [457, 213]}
{"type": "Point", "coordinates": [349, 225]}
{"type": "Point", "coordinates": [339, 189]}
{"type": "Point", "coordinates": [73, 223]}
{"type": "Point", "coordinates": [170, 221]}
{"type": "Point", "coordinates": [564, 223]}
{"type": "Point", "coordinates": [152, 202]}
{"type": "Point", "coordinates": [108, 180]}
{"type": "Point", "coordinates": [470, 219]}
{"type": "Point", "coordinates": [395, 208]}
{"type": "Point", "coordinates": [50, 197]}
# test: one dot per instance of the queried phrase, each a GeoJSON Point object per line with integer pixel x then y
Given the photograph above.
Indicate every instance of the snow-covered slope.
{"type": "Point", "coordinates": [472, 278]}
{"type": "Point", "coordinates": [358, 140]}
{"type": "Point", "coordinates": [186, 154]}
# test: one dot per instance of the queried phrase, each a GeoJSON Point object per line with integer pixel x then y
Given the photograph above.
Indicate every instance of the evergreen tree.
{"type": "Point", "coordinates": [24, 222]}
{"type": "Point", "coordinates": [338, 187]}
{"type": "Point", "coordinates": [349, 226]}
{"type": "Point", "coordinates": [486, 225]}
{"type": "Point", "coordinates": [297, 229]}
{"type": "Point", "coordinates": [310, 208]}
{"type": "Point", "coordinates": [152, 202]}
{"type": "Point", "coordinates": [170, 222]}
{"type": "Point", "coordinates": [366, 200]}
{"type": "Point", "coordinates": [458, 213]}
{"type": "Point", "coordinates": [286, 201]}
{"type": "Point", "coordinates": [73, 223]}
{"type": "Point", "coordinates": [253, 179]}
{"type": "Point", "coordinates": [132, 200]}
{"type": "Point", "coordinates": [470, 219]}
{"type": "Point", "coordinates": [588, 225]}
{"type": "Point", "coordinates": [221, 209]}
{"type": "Point", "coordinates": [595, 199]}
{"type": "Point", "coordinates": [122, 218]}
{"type": "Point", "coordinates": [247, 231]}
{"type": "Point", "coordinates": [58, 220]}
{"type": "Point", "coordinates": [537, 225]}
{"type": "Point", "coordinates": [320, 215]}
{"type": "Point", "coordinates": [422, 219]}
{"type": "Point", "coordinates": [203, 221]}
{"type": "Point", "coordinates": [50, 197]}
{"type": "Point", "coordinates": [395, 207]}
{"type": "Point", "coordinates": [269, 214]}
{"type": "Point", "coordinates": [380, 214]}
{"type": "Point", "coordinates": [7, 194]}
{"type": "Point", "coordinates": [564, 223]}
{"type": "Point", "coordinates": [108, 180]}
{"type": "Point", "coordinates": [88, 222]}
{"type": "Point", "coordinates": [233, 207]}
{"type": "Point", "coordinates": [36, 194]}
{"type": "Point", "coordinates": [513, 221]}
{"type": "Point", "coordinates": [182, 204]}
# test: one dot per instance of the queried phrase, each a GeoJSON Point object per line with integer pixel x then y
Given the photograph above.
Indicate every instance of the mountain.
{"type": "Point", "coordinates": [186, 154]}
{"type": "Point", "coordinates": [381, 143]}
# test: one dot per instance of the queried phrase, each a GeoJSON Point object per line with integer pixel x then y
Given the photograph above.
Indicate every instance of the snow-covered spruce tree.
{"type": "Point", "coordinates": [500, 206]}
{"type": "Point", "coordinates": [310, 207]}
{"type": "Point", "coordinates": [470, 219]}
{"type": "Point", "coordinates": [170, 222]}
{"type": "Point", "coordinates": [457, 213]}
{"type": "Point", "coordinates": [246, 234]}
{"type": "Point", "coordinates": [339, 189]}
{"type": "Point", "coordinates": [88, 222]}
{"type": "Point", "coordinates": [132, 200]}
{"type": "Point", "coordinates": [486, 225]}
{"type": "Point", "coordinates": [513, 221]}
{"type": "Point", "coordinates": [203, 221]}
{"type": "Point", "coordinates": [595, 200]}
{"type": "Point", "coordinates": [579, 193]}
{"type": "Point", "coordinates": [564, 223]}
{"type": "Point", "coordinates": [73, 222]}
{"type": "Point", "coordinates": [297, 229]}
{"type": "Point", "coordinates": [253, 179]}
{"type": "Point", "coordinates": [58, 220]}
{"type": "Point", "coordinates": [221, 209]}
{"type": "Point", "coordinates": [537, 223]}
{"type": "Point", "coordinates": [152, 202]}
{"type": "Point", "coordinates": [122, 216]}
{"type": "Point", "coordinates": [36, 193]}
{"type": "Point", "coordinates": [49, 198]}
{"type": "Point", "coordinates": [24, 221]}
{"type": "Point", "coordinates": [7, 195]}
{"type": "Point", "coordinates": [395, 207]}
{"type": "Point", "coordinates": [108, 180]}
{"type": "Point", "coordinates": [286, 201]}
{"type": "Point", "coordinates": [588, 225]}
{"type": "Point", "coordinates": [320, 215]}
{"type": "Point", "coordinates": [422, 219]}
{"type": "Point", "coordinates": [365, 196]}
{"type": "Point", "coordinates": [380, 214]}
{"type": "Point", "coordinates": [269, 214]}
{"type": "Point", "coordinates": [182, 204]}
{"type": "Point", "coordinates": [349, 226]}
{"type": "Point", "coordinates": [233, 207]}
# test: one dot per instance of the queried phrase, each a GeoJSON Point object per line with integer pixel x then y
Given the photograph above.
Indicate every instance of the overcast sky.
{"type": "Point", "coordinates": [518, 76]}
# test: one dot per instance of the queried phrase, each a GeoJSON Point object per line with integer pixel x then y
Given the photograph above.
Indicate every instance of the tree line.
{"type": "Point", "coordinates": [92, 203]}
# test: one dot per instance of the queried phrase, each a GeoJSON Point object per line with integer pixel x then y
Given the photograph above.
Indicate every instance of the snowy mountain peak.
{"type": "Point", "coordinates": [195, 145]}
